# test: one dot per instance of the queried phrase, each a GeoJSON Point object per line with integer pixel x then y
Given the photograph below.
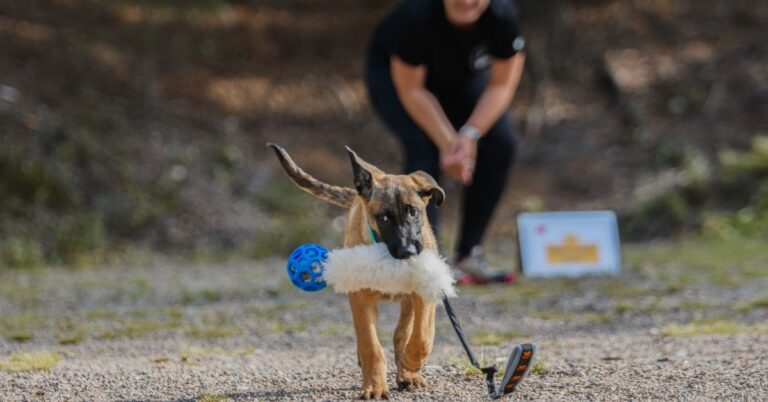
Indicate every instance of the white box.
{"type": "Point", "coordinates": [569, 243]}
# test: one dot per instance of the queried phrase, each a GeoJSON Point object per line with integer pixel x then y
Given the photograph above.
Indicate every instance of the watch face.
{"type": "Point", "coordinates": [518, 44]}
{"type": "Point", "coordinates": [470, 132]}
{"type": "Point", "coordinates": [479, 59]}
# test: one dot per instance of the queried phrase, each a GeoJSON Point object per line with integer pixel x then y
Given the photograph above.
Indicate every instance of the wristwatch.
{"type": "Point", "coordinates": [470, 132]}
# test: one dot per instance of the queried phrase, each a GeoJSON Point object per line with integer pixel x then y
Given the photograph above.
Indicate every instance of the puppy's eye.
{"type": "Point", "coordinates": [412, 212]}
{"type": "Point", "coordinates": [384, 218]}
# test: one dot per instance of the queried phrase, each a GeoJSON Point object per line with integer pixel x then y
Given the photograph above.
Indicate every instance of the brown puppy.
{"type": "Point", "coordinates": [394, 207]}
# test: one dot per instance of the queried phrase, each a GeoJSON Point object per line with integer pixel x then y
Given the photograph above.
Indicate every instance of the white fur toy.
{"type": "Point", "coordinates": [372, 267]}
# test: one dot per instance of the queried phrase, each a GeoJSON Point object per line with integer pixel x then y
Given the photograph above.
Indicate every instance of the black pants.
{"type": "Point", "coordinates": [495, 150]}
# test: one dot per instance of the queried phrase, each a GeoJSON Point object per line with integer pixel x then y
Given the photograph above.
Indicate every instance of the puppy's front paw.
{"type": "Point", "coordinates": [374, 392]}
{"type": "Point", "coordinates": [408, 379]}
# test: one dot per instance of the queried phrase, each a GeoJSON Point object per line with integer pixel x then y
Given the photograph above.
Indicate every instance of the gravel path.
{"type": "Point", "coordinates": [240, 332]}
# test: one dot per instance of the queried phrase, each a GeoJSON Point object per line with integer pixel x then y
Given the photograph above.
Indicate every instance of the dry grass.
{"type": "Point", "coordinates": [30, 361]}
{"type": "Point", "coordinates": [20, 327]}
{"type": "Point", "coordinates": [712, 327]}
{"type": "Point", "coordinates": [488, 338]}
{"type": "Point", "coordinates": [539, 367]}
{"type": "Point", "coordinates": [211, 398]}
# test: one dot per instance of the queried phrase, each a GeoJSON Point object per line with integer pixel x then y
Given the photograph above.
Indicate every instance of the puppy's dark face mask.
{"type": "Point", "coordinates": [396, 205]}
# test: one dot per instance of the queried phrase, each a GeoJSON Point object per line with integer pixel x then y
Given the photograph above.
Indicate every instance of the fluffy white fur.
{"type": "Point", "coordinates": [372, 267]}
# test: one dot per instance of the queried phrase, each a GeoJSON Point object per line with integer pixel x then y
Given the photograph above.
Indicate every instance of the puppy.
{"type": "Point", "coordinates": [393, 207]}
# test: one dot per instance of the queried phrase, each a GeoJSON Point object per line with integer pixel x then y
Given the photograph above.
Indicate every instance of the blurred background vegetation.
{"type": "Point", "coordinates": [130, 128]}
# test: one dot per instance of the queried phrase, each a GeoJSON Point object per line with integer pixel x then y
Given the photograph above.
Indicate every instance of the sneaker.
{"type": "Point", "coordinates": [474, 270]}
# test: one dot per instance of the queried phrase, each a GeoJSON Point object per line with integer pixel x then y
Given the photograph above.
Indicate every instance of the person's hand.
{"type": "Point", "coordinates": [469, 146]}
{"type": "Point", "coordinates": [459, 162]}
{"type": "Point", "coordinates": [450, 159]}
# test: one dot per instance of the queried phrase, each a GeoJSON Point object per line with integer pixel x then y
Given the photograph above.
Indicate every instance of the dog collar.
{"type": "Point", "coordinates": [371, 233]}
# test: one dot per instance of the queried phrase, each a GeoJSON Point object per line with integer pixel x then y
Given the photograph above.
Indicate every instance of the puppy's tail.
{"type": "Point", "coordinates": [341, 196]}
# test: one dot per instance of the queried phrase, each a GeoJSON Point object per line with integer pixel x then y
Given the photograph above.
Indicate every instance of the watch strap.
{"type": "Point", "coordinates": [470, 132]}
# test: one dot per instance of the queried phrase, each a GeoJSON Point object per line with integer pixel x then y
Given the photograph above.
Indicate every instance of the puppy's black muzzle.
{"type": "Point", "coordinates": [403, 238]}
{"type": "Point", "coordinates": [405, 251]}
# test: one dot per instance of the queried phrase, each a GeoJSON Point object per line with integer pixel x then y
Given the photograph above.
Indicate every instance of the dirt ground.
{"type": "Point", "coordinates": [239, 331]}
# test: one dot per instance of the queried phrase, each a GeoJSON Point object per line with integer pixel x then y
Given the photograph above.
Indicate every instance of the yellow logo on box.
{"type": "Point", "coordinates": [572, 251]}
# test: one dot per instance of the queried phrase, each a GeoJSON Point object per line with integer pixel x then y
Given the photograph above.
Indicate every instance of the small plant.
{"type": "Point", "coordinates": [101, 314]}
{"type": "Point", "coordinates": [20, 327]}
{"type": "Point", "coordinates": [21, 335]}
{"type": "Point", "coordinates": [211, 398]}
{"type": "Point", "coordinates": [21, 253]}
{"type": "Point", "coordinates": [485, 337]}
{"type": "Point", "coordinates": [712, 327]}
{"type": "Point", "coordinates": [552, 315]}
{"type": "Point", "coordinates": [539, 368]}
{"type": "Point", "coordinates": [202, 296]}
{"type": "Point", "coordinates": [70, 332]}
{"type": "Point", "coordinates": [464, 366]}
{"type": "Point", "coordinates": [136, 328]}
{"type": "Point", "coordinates": [757, 303]}
{"type": "Point", "coordinates": [72, 336]}
{"type": "Point", "coordinates": [30, 361]}
{"type": "Point", "coordinates": [202, 331]}
{"type": "Point", "coordinates": [213, 326]}
{"type": "Point", "coordinates": [596, 318]}
{"type": "Point", "coordinates": [283, 326]}
{"type": "Point", "coordinates": [335, 330]}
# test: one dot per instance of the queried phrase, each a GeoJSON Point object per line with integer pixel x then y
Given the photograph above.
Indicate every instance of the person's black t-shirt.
{"type": "Point", "coordinates": [418, 32]}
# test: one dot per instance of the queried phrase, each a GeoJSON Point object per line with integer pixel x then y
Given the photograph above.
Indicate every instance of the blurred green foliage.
{"type": "Point", "coordinates": [296, 218]}
{"type": "Point", "coordinates": [61, 205]}
{"type": "Point", "coordinates": [729, 204]}
{"type": "Point", "coordinates": [744, 178]}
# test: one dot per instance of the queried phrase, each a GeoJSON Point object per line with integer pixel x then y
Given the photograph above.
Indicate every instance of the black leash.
{"type": "Point", "coordinates": [489, 371]}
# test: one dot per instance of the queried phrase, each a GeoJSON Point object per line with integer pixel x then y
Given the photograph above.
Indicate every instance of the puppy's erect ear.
{"type": "Point", "coordinates": [363, 174]}
{"type": "Point", "coordinates": [427, 186]}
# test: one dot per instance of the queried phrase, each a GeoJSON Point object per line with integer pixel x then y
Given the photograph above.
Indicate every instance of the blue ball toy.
{"type": "Point", "coordinates": [305, 267]}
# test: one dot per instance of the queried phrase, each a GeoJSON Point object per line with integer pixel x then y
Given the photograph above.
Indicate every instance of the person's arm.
{"type": "Point", "coordinates": [495, 99]}
{"type": "Point", "coordinates": [421, 105]}
{"type": "Point", "coordinates": [505, 77]}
